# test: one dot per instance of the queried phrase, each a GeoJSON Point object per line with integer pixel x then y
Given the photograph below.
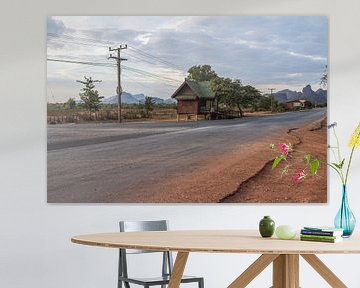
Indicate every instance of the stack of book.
{"type": "Point", "coordinates": [321, 234]}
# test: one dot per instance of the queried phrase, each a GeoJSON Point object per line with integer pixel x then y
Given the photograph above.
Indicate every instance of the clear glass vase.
{"type": "Point", "coordinates": [345, 219]}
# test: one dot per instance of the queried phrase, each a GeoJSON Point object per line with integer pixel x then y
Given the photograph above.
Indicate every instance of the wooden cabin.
{"type": "Point", "coordinates": [195, 98]}
{"type": "Point", "coordinates": [298, 105]}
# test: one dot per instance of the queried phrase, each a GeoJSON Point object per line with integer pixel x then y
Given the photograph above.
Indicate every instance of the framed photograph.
{"type": "Point", "coordinates": [187, 109]}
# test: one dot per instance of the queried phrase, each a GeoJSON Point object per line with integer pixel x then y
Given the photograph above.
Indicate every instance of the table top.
{"type": "Point", "coordinates": [217, 241]}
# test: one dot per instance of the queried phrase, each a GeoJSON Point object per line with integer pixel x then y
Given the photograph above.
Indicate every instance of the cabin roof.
{"type": "Point", "coordinates": [201, 89]}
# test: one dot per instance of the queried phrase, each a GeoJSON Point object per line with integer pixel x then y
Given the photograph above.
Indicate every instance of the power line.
{"type": "Point", "coordinates": [80, 62]}
{"type": "Point", "coordinates": [271, 90]}
{"type": "Point", "coordinates": [138, 71]}
{"type": "Point", "coordinates": [272, 98]}
{"type": "Point", "coordinates": [57, 35]}
{"type": "Point", "coordinates": [118, 62]}
{"type": "Point", "coordinates": [151, 74]}
{"type": "Point", "coordinates": [95, 42]}
{"type": "Point", "coordinates": [79, 43]}
{"type": "Point", "coordinates": [141, 57]}
{"type": "Point", "coordinates": [141, 52]}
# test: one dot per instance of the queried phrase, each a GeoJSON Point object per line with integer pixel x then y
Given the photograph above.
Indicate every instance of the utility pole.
{"type": "Point", "coordinates": [272, 98]}
{"type": "Point", "coordinates": [119, 88]}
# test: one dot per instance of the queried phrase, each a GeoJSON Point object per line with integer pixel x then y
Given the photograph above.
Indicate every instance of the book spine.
{"type": "Point", "coordinates": [319, 236]}
{"type": "Point", "coordinates": [320, 233]}
{"type": "Point", "coordinates": [318, 239]}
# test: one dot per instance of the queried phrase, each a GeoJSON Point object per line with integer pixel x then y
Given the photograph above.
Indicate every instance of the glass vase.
{"type": "Point", "coordinates": [345, 219]}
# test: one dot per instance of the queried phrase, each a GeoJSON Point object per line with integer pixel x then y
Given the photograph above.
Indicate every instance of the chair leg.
{"type": "Point", "coordinates": [201, 283]}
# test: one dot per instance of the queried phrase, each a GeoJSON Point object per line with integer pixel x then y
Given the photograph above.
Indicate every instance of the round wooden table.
{"type": "Point", "coordinates": [284, 254]}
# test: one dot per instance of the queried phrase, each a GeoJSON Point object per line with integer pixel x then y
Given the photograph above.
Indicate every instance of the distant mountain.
{"type": "Point", "coordinates": [125, 98]}
{"type": "Point", "coordinates": [170, 101]}
{"type": "Point", "coordinates": [321, 92]}
{"type": "Point", "coordinates": [129, 98]}
{"type": "Point", "coordinates": [288, 95]}
{"type": "Point", "coordinates": [316, 97]}
{"type": "Point", "coordinates": [139, 97]}
{"type": "Point", "coordinates": [280, 97]}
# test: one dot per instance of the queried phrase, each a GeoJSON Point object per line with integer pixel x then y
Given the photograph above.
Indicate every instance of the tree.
{"type": "Point", "coordinates": [278, 106]}
{"type": "Point", "coordinates": [91, 98]}
{"type": "Point", "coordinates": [222, 89]}
{"type": "Point", "coordinates": [201, 73]}
{"type": "Point", "coordinates": [265, 103]}
{"type": "Point", "coordinates": [323, 79]}
{"type": "Point", "coordinates": [71, 104]}
{"type": "Point", "coordinates": [149, 105]}
{"type": "Point", "coordinates": [231, 93]}
{"type": "Point", "coordinates": [244, 96]}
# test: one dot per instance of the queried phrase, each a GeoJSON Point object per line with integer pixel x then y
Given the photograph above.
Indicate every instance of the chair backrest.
{"type": "Point", "coordinates": [134, 226]}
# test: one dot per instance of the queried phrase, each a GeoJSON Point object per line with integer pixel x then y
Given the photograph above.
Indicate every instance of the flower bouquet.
{"type": "Point", "coordinates": [344, 218]}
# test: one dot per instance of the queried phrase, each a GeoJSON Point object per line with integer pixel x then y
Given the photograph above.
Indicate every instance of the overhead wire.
{"type": "Point", "coordinates": [141, 52]}
{"type": "Point", "coordinates": [167, 80]}
{"type": "Point", "coordinates": [95, 42]}
{"type": "Point", "coordinates": [133, 52]}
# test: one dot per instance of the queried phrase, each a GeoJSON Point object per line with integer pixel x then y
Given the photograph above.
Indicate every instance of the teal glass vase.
{"type": "Point", "coordinates": [345, 219]}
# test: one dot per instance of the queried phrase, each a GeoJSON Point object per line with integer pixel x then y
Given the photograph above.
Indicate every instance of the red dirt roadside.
{"type": "Point", "coordinates": [270, 186]}
{"type": "Point", "coordinates": [245, 176]}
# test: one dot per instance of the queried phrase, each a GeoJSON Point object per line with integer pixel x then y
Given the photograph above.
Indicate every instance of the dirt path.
{"type": "Point", "coordinates": [245, 175]}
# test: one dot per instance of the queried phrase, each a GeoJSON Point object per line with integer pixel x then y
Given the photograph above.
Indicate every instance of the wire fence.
{"type": "Point", "coordinates": [108, 115]}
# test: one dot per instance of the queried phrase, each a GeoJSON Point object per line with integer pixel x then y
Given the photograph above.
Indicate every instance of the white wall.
{"type": "Point", "coordinates": [35, 248]}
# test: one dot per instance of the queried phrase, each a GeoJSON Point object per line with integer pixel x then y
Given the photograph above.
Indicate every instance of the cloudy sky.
{"type": "Point", "coordinates": [266, 52]}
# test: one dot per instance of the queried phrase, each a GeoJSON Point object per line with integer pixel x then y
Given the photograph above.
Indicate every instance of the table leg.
{"type": "Point", "coordinates": [178, 270]}
{"type": "Point", "coordinates": [286, 271]}
{"type": "Point", "coordinates": [324, 271]}
{"type": "Point", "coordinates": [253, 270]}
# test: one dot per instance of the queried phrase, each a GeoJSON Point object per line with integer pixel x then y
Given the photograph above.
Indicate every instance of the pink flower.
{"type": "Point", "coordinates": [285, 148]}
{"type": "Point", "coordinates": [299, 176]}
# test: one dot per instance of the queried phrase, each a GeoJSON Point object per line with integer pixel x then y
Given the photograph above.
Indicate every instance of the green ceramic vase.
{"type": "Point", "coordinates": [266, 227]}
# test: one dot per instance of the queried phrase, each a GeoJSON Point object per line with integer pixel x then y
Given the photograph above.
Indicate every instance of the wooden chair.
{"type": "Point", "coordinates": [167, 262]}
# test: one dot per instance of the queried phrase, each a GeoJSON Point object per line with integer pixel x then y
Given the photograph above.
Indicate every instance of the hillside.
{"type": "Point", "coordinates": [129, 98]}
{"type": "Point", "coordinates": [316, 97]}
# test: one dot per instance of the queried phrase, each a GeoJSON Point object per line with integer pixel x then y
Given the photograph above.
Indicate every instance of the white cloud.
{"type": "Point", "coordinates": [143, 38]}
{"type": "Point", "coordinates": [289, 50]}
{"type": "Point", "coordinates": [294, 75]}
{"type": "Point", "coordinates": [311, 57]}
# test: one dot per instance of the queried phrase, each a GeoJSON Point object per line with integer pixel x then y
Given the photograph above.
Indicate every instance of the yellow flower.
{"type": "Point", "coordinates": [355, 138]}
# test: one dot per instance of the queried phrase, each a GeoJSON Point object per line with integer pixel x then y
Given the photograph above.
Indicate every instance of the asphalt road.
{"type": "Point", "coordinates": [117, 163]}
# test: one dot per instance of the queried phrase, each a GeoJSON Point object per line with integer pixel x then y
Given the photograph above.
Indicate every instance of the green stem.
{"type": "Point", "coordinates": [333, 152]}
{"type": "Point", "coordinates": [338, 145]}
{"type": "Point", "coordinates": [337, 171]}
{"type": "Point", "coordinates": [348, 167]}
{"type": "Point", "coordinates": [339, 160]}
